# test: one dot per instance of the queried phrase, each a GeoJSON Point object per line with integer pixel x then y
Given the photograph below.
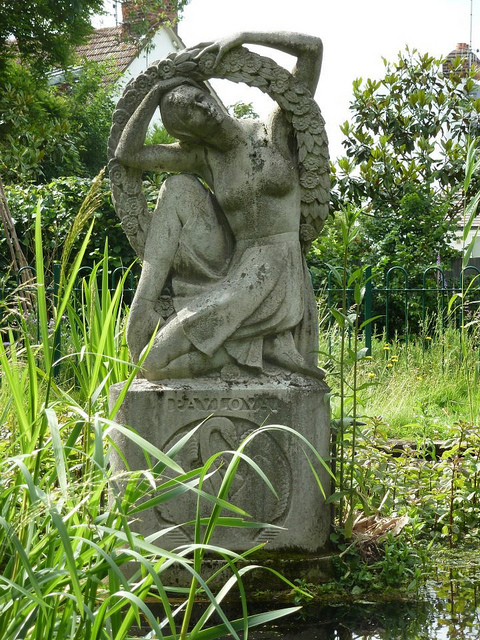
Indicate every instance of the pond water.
{"type": "Point", "coordinates": [367, 621]}
{"type": "Point", "coordinates": [447, 607]}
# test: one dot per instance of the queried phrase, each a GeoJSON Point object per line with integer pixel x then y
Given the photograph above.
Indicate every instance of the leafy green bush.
{"type": "Point", "coordinates": [35, 132]}
{"type": "Point", "coordinates": [61, 200]}
{"type": "Point", "coordinates": [46, 132]}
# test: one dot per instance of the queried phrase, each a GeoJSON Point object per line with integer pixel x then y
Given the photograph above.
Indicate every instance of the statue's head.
{"type": "Point", "coordinates": [190, 113]}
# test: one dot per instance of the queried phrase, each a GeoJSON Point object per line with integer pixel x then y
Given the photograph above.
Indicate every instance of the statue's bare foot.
{"type": "Point", "coordinates": [281, 351]}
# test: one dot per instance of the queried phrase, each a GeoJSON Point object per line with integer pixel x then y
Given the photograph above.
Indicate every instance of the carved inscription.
{"type": "Point", "coordinates": [204, 403]}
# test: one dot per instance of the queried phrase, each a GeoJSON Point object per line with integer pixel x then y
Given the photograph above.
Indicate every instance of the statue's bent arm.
{"type": "Point", "coordinates": [307, 49]}
{"type": "Point", "coordinates": [133, 152]}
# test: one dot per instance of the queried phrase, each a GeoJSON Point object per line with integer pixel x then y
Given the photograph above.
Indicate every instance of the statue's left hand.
{"type": "Point", "coordinates": [221, 47]}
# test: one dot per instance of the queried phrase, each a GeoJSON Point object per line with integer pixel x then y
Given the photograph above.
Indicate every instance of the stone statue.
{"type": "Point", "coordinates": [224, 283]}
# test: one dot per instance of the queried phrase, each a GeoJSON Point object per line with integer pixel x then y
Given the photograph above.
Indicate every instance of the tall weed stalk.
{"type": "Point", "coordinates": [345, 423]}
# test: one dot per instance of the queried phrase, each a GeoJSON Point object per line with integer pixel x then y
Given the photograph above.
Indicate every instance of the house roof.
{"type": "Point", "coordinates": [107, 44]}
{"type": "Point", "coordinates": [111, 44]}
{"type": "Point", "coordinates": [475, 223]}
{"type": "Point", "coordinates": [464, 53]}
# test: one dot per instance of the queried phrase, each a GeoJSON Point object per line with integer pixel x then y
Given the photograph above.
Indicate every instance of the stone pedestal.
{"type": "Point", "coordinates": [163, 413]}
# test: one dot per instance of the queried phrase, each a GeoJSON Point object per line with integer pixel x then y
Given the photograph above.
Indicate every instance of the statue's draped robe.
{"type": "Point", "coordinates": [239, 293]}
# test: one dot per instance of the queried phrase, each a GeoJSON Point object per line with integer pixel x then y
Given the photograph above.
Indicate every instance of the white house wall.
{"type": "Point", "coordinates": [457, 244]}
{"type": "Point", "coordinates": [163, 42]}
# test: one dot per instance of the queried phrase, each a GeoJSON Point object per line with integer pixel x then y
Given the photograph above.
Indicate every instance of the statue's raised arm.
{"type": "Point", "coordinates": [133, 152]}
{"type": "Point", "coordinates": [307, 49]}
{"type": "Point", "coordinates": [223, 273]}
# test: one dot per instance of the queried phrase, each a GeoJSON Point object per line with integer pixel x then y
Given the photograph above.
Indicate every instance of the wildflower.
{"type": "Point", "coordinates": [368, 357]}
{"type": "Point", "coordinates": [394, 358]}
{"type": "Point", "coordinates": [371, 375]}
{"type": "Point", "coordinates": [386, 347]}
{"type": "Point", "coordinates": [419, 378]}
{"type": "Point", "coordinates": [389, 365]}
{"type": "Point", "coordinates": [428, 337]}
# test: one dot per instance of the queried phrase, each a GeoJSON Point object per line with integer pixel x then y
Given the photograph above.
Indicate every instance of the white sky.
{"type": "Point", "coordinates": [355, 33]}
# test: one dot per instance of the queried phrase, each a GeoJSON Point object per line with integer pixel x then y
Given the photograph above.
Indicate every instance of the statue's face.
{"type": "Point", "coordinates": [190, 113]}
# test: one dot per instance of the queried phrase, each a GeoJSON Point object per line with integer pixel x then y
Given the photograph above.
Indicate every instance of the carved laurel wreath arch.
{"type": "Point", "coordinates": [237, 65]}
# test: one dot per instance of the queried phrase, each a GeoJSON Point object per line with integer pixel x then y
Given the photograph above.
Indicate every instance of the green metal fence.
{"type": "Point", "coordinates": [401, 307]}
{"type": "Point", "coordinates": [404, 306]}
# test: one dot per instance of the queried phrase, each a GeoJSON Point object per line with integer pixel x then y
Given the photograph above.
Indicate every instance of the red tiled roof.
{"type": "Point", "coordinates": [107, 45]}
{"type": "Point", "coordinates": [467, 57]}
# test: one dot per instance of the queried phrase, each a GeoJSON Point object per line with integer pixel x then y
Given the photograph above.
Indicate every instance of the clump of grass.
{"type": "Point", "coordinates": [420, 389]}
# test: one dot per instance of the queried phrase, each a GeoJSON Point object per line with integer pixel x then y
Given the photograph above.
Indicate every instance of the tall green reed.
{"type": "Point", "coordinates": [63, 547]}
{"type": "Point", "coordinates": [97, 354]}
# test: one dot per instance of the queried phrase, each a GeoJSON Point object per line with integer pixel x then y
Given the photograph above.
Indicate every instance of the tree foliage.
{"type": "Point", "coordinates": [405, 150]}
{"type": "Point", "coordinates": [242, 110]}
{"type": "Point", "coordinates": [407, 130]}
{"type": "Point", "coordinates": [46, 132]}
{"type": "Point", "coordinates": [91, 106]}
{"type": "Point", "coordinates": [139, 15]}
{"type": "Point", "coordinates": [405, 147]}
{"type": "Point", "coordinates": [45, 31]}
{"type": "Point", "coordinates": [35, 132]}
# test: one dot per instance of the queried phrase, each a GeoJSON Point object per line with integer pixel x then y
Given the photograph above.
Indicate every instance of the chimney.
{"type": "Point", "coordinates": [140, 17]}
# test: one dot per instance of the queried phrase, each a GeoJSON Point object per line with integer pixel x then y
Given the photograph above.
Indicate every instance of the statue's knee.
{"type": "Point", "coordinates": [184, 195]}
{"type": "Point", "coordinates": [182, 186]}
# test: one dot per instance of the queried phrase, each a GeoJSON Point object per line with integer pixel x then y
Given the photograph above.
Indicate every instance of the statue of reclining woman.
{"type": "Point", "coordinates": [227, 246]}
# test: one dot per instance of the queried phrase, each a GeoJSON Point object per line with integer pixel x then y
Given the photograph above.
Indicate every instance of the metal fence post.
{"type": "Point", "coordinates": [405, 291]}
{"type": "Point", "coordinates": [57, 335]}
{"type": "Point", "coordinates": [368, 310]}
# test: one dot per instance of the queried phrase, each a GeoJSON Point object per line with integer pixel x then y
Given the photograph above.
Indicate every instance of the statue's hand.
{"type": "Point", "coordinates": [221, 47]}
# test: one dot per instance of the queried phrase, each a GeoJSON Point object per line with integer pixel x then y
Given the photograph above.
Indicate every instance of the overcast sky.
{"type": "Point", "coordinates": [355, 33]}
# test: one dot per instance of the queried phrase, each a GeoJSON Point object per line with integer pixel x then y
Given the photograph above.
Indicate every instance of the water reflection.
{"type": "Point", "coordinates": [365, 621]}
{"type": "Point", "coordinates": [447, 608]}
